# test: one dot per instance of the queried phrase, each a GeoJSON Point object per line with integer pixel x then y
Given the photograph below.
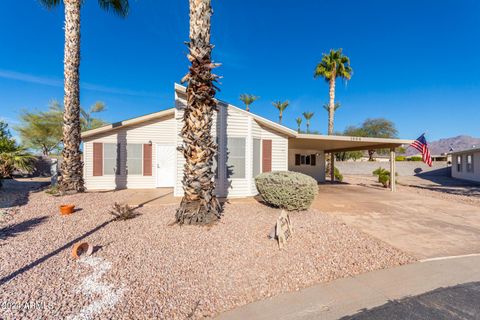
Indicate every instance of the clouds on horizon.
{"type": "Point", "coordinates": [30, 78]}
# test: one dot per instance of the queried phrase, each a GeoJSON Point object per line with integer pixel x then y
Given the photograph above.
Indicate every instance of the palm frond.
{"type": "Point", "coordinates": [308, 115]}
{"type": "Point", "coordinates": [49, 4]}
{"type": "Point", "coordinates": [98, 106]}
{"type": "Point", "coordinates": [119, 7]}
{"type": "Point", "coordinates": [333, 64]}
{"type": "Point", "coordinates": [299, 121]}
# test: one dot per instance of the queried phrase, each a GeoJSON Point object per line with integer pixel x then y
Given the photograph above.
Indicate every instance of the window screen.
{"type": "Point", "coordinates": [134, 159]}
{"type": "Point", "coordinates": [257, 154]}
{"type": "Point", "coordinates": [459, 163]}
{"type": "Point", "coordinates": [236, 158]}
{"type": "Point", "coordinates": [470, 163]}
{"type": "Point", "coordinates": [109, 158]}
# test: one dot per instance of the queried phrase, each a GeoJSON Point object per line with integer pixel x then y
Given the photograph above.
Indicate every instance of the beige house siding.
{"type": "Point", "coordinates": [159, 131]}
{"type": "Point", "coordinates": [230, 121]}
{"type": "Point", "coordinates": [317, 172]}
{"type": "Point", "coordinates": [464, 174]}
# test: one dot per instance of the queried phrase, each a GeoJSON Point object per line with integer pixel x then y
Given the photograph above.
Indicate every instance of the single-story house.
{"type": "Point", "coordinates": [142, 152]}
{"type": "Point", "coordinates": [466, 164]}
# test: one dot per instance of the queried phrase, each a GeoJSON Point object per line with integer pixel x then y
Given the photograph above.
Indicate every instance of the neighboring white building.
{"type": "Point", "coordinates": [466, 164]}
{"type": "Point", "coordinates": [142, 152]}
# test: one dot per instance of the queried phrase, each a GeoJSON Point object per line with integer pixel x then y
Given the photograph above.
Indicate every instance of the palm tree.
{"type": "Point", "coordinates": [248, 99]}
{"type": "Point", "coordinates": [281, 106]}
{"type": "Point", "coordinates": [199, 204]}
{"type": "Point", "coordinates": [333, 65]}
{"type": "Point", "coordinates": [308, 116]}
{"type": "Point", "coordinates": [299, 122]}
{"type": "Point", "coordinates": [71, 178]}
{"type": "Point", "coordinates": [337, 105]}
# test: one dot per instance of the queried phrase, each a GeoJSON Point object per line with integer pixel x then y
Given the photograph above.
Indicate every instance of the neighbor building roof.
{"type": "Point", "coordinates": [475, 149]}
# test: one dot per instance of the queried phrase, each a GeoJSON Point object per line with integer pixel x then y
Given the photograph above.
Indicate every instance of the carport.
{"type": "Point", "coordinates": [334, 144]}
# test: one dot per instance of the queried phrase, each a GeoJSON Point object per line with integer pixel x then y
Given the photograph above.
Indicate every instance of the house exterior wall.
{"type": "Point", "coordinates": [317, 172]}
{"type": "Point", "coordinates": [464, 174]}
{"type": "Point", "coordinates": [159, 131]}
{"type": "Point", "coordinates": [232, 122]}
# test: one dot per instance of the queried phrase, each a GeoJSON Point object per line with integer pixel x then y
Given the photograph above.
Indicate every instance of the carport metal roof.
{"type": "Point", "coordinates": [343, 143]}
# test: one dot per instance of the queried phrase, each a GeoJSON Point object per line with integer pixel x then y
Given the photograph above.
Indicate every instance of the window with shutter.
{"type": "Point", "coordinates": [97, 159]}
{"type": "Point", "coordinates": [266, 155]}
{"type": "Point", "coordinates": [313, 159]}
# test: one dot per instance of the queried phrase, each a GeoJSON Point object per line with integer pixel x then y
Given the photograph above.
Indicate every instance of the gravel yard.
{"type": "Point", "coordinates": [147, 268]}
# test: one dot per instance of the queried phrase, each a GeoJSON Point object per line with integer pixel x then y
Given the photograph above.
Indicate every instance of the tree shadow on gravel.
{"type": "Point", "coordinates": [17, 192]}
{"type": "Point", "coordinates": [53, 253]}
{"type": "Point", "coordinates": [458, 302]}
{"type": "Point", "coordinates": [15, 229]}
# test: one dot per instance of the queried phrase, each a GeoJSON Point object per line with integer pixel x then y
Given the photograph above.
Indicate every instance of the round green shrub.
{"type": "Point", "coordinates": [287, 190]}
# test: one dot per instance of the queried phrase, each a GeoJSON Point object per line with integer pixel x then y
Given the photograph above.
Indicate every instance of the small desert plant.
{"type": "Point", "coordinates": [415, 158]}
{"type": "Point", "coordinates": [287, 190]}
{"type": "Point", "coordinates": [383, 176]}
{"type": "Point", "coordinates": [122, 212]}
{"type": "Point", "coordinates": [53, 190]}
{"type": "Point", "coordinates": [338, 175]}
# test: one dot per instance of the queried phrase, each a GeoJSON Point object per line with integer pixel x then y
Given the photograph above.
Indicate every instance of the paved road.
{"type": "Point", "coordinates": [435, 289]}
{"type": "Point", "coordinates": [461, 302]}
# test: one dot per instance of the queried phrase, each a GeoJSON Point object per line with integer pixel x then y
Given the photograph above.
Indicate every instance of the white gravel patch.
{"type": "Point", "coordinates": [91, 286]}
{"type": "Point", "coordinates": [170, 272]}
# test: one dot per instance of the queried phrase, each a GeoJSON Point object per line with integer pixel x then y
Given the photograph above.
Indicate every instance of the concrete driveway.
{"type": "Point", "coordinates": [423, 226]}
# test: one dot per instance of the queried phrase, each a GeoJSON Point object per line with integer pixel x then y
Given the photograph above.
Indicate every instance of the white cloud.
{"type": "Point", "coordinates": [25, 77]}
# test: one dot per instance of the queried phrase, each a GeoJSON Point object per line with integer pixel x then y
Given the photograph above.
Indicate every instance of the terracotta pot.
{"type": "Point", "coordinates": [80, 249]}
{"type": "Point", "coordinates": [66, 209]}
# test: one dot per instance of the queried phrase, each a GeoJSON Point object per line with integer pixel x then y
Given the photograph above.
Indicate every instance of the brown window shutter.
{"type": "Point", "coordinates": [266, 155]}
{"type": "Point", "coordinates": [147, 159]}
{"type": "Point", "coordinates": [313, 159]}
{"type": "Point", "coordinates": [297, 159]}
{"type": "Point", "coordinates": [97, 159]}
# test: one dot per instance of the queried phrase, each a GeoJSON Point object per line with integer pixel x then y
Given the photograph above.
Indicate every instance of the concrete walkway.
{"type": "Point", "coordinates": [423, 226]}
{"type": "Point", "coordinates": [354, 298]}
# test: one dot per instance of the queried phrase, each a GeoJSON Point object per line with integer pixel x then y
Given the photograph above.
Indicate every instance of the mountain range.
{"type": "Point", "coordinates": [446, 145]}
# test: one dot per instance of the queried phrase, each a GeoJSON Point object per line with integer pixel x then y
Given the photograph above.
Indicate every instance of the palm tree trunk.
{"type": "Point", "coordinates": [199, 204]}
{"type": "Point", "coordinates": [331, 107]}
{"type": "Point", "coordinates": [71, 178]}
{"type": "Point", "coordinates": [248, 108]}
{"type": "Point", "coordinates": [280, 118]}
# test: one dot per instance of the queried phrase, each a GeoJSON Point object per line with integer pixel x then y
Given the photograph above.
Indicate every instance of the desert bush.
{"type": "Point", "coordinates": [122, 212]}
{"type": "Point", "coordinates": [53, 190]}
{"type": "Point", "coordinates": [383, 176]}
{"type": "Point", "coordinates": [287, 190]}
{"type": "Point", "coordinates": [337, 174]}
{"type": "Point", "coordinates": [415, 158]}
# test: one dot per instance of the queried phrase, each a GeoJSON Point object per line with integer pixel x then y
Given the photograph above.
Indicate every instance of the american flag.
{"type": "Point", "coordinates": [421, 145]}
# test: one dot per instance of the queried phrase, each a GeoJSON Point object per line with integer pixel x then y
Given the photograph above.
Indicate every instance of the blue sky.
{"type": "Point", "coordinates": [415, 61]}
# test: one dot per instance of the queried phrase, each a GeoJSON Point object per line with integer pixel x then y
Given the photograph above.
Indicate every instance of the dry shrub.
{"type": "Point", "coordinates": [287, 190]}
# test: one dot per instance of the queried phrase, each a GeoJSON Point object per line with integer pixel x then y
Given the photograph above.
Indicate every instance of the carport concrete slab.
{"type": "Point", "coordinates": [422, 226]}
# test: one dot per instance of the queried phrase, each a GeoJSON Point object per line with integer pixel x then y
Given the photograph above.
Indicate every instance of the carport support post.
{"type": "Point", "coordinates": [332, 167]}
{"type": "Point", "coordinates": [393, 178]}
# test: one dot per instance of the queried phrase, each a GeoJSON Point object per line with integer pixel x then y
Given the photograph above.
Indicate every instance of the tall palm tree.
{"type": "Point", "coordinates": [248, 99]}
{"type": "Point", "coordinates": [333, 65]}
{"type": "Point", "coordinates": [299, 122]}
{"type": "Point", "coordinates": [308, 116]}
{"type": "Point", "coordinates": [199, 204]}
{"type": "Point", "coordinates": [71, 177]}
{"type": "Point", "coordinates": [281, 106]}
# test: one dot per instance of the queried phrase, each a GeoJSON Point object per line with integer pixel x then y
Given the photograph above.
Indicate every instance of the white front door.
{"type": "Point", "coordinates": [165, 166]}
